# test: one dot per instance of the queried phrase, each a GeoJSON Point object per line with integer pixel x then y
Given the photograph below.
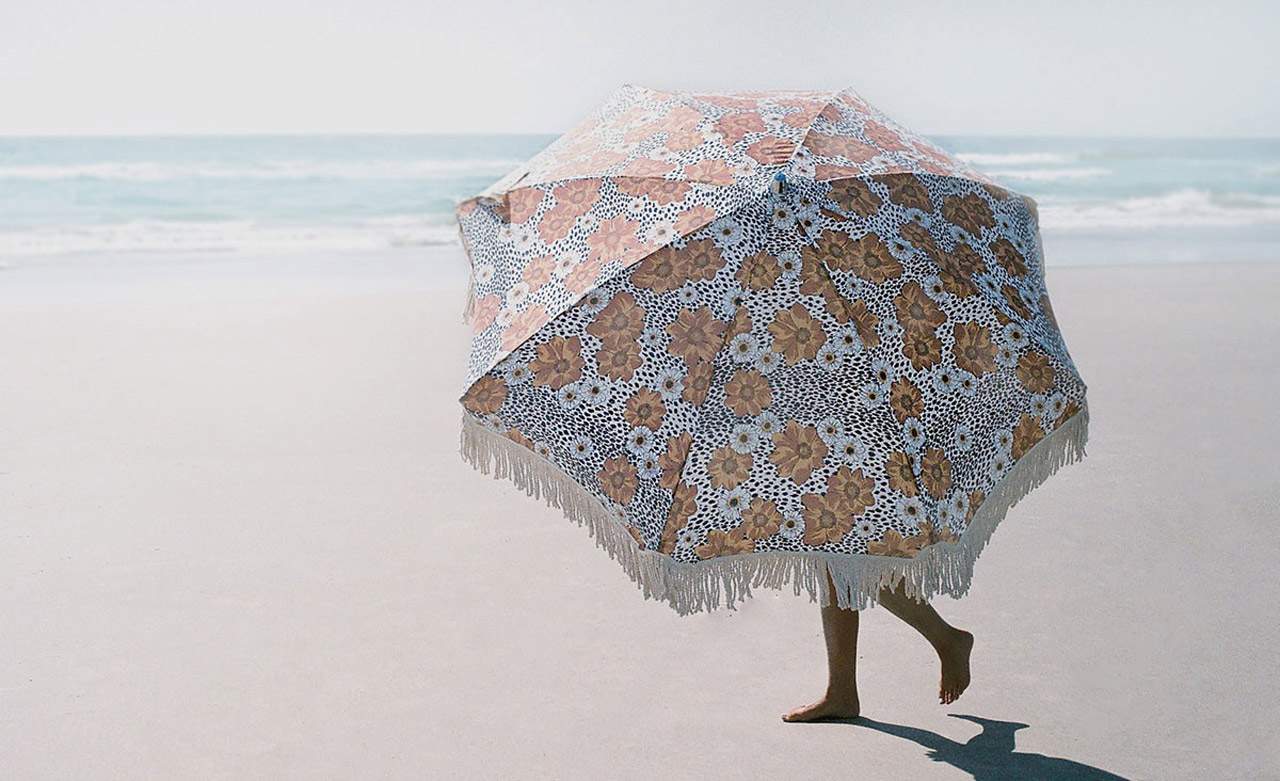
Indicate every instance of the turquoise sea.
{"type": "Point", "coordinates": [101, 199]}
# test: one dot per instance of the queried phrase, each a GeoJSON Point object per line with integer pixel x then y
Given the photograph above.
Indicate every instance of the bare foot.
{"type": "Point", "coordinates": [955, 667]}
{"type": "Point", "coordinates": [829, 707]}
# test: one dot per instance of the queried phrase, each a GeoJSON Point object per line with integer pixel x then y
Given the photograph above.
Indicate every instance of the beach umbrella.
{"type": "Point", "coordinates": [757, 339]}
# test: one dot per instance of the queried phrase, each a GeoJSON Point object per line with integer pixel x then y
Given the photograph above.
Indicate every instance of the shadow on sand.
{"type": "Point", "coordinates": [990, 754]}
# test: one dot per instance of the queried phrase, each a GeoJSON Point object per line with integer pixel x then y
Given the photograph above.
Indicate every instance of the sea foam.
{"type": "Point", "coordinates": [1015, 158]}
{"type": "Point", "coordinates": [153, 236]}
{"type": "Point", "coordinates": [144, 171]}
{"type": "Point", "coordinates": [1180, 208]}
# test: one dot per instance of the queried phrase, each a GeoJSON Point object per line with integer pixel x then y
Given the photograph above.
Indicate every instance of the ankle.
{"type": "Point", "coordinates": [950, 639]}
{"type": "Point", "coordinates": [841, 693]}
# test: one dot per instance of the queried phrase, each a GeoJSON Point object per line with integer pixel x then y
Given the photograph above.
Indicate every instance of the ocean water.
{"type": "Point", "coordinates": [101, 200]}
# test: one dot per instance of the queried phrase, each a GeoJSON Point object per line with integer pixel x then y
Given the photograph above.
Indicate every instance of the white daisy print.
{"type": "Point", "coordinates": [660, 233]}
{"type": "Point", "coordinates": [1015, 336]}
{"type": "Point", "coordinates": [873, 395]}
{"type": "Point", "coordinates": [647, 466]}
{"type": "Point", "coordinates": [881, 372]}
{"type": "Point", "coordinates": [517, 294]}
{"type": "Point", "coordinates": [767, 361]}
{"type": "Point", "coordinates": [831, 429]}
{"type": "Point", "coordinates": [744, 438]}
{"type": "Point", "coordinates": [792, 526]}
{"type": "Point", "coordinates": [910, 509]}
{"type": "Point", "coordinates": [743, 348]}
{"type": "Point", "coordinates": [669, 383]}
{"type": "Point", "coordinates": [912, 435]}
{"type": "Point", "coordinates": [639, 441]}
{"type": "Point", "coordinates": [582, 447]}
{"type": "Point", "coordinates": [733, 502]}
{"type": "Point", "coordinates": [944, 379]}
{"type": "Point", "coordinates": [1003, 440]}
{"type": "Point", "coordinates": [569, 396]}
{"type": "Point", "coordinates": [850, 449]}
{"type": "Point", "coordinates": [596, 393]}
{"type": "Point", "coordinates": [726, 232]}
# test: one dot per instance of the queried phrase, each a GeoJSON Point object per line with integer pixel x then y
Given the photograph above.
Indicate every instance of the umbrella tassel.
{"type": "Point", "coordinates": [943, 568]}
{"type": "Point", "coordinates": [469, 308]}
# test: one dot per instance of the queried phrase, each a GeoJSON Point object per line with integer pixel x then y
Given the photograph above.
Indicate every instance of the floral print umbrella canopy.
{"type": "Point", "coordinates": [760, 338]}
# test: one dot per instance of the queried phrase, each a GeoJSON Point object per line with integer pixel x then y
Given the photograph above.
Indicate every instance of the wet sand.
{"type": "Point", "coordinates": [236, 540]}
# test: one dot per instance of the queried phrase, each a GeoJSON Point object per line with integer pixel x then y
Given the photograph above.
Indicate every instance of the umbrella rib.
{"type": "Point", "coordinates": [752, 198]}
{"type": "Point", "coordinates": [831, 100]}
{"type": "Point", "coordinates": [724, 342]}
{"type": "Point", "coordinates": [826, 272]}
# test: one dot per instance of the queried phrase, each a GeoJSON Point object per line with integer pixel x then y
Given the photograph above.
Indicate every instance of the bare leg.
{"type": "Point", "coordinates": [953, 645]}
{"type": "Point", "coordinates": [840, 627]}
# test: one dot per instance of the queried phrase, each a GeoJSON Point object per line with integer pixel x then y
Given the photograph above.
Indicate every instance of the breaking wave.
{"type": "Point", "coordinates": [232, 236]}
{"type": "Point", "coordinates": [1179, 208]}
{"type": "Point", "coordinates": [277, 169]}
{"type": "Point", "coordinates": [1015, 158]}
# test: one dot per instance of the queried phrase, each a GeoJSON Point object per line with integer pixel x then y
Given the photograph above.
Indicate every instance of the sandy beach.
{"type": "Point", "coordinates": [237, 541]}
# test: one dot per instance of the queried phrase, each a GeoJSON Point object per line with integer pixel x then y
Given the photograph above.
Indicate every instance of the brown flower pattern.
{"type": "Point", "coordinates": [905, 399]}
{"type": "Point", "coordinates": [930, 534]}
{"type": "Point", "coordinates": [1014, 300]}
{"type": "Point", "coordinates": [727, 467]}
{"type": "Point", "coordinates": [558, 362]}
{"type": "Point", "coordinates": [853, 488]}
{"type": "Point", "coordinates": [747, 393]}
{"type": "Point", "coordinates": [672, 460]}
{"type": "Point", "coordinates": [974, 351]}
{"type": "Point", "coordinates": [660, 272]}
{"type": "Point", "coordinates": [921, 347]}
{"type": "Point", "coordinates": [916, 310]}
{"type": "Point", "coordinates": [725, 543]}
{"type": "Point", "coordinates": [618, 360]}
{"type": "Point", "coordinates": [969, 212]}
{"type": "Point", "coordinates": [1035, 372]}
{"type": "Point", "coordinates": [621, 320]}
{"type": "Point", "coordinates": [919, 237]}
{"type": "Point", "coordinates": [486, 396]}
{"type": "Point", "coordinates": [835, 248]}
{"type": "Point", "coordinates": [696, 335]}
{"type": "Point", "coordinates": [1026, 435]}
{"type": "Point", "coordinates": [935, 472]}
{"type": "Point", "coordinates": [826, 519]}
{"type": "Point", "coordinates": [901, 472]}
{"type": "Point", "coordinates": [1009, 258]}
{"type": "Point", "coordinates": [870, 259]}
{"type": "Point", "coordinates": [909, 192]}
{"type": "Point", "coordinates": [797, 451]}
{"type": "Point", "coordinates": [797, 334]}
{"type": "Point", "coordinates": [865, 322]}
{"type": "Point", "coordinates": [645, 408]}
{"type": "Point", "coordinates": [761, 519]}
{"type": "Point", "coordinates": [618, 479]}
{"type": "Point", "coordinates": [894, 544]}
{"type": "Point", "coordinates": [856, 197]}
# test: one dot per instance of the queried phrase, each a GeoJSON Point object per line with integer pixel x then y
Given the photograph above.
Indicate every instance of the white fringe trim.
{"type": "Point", "coordinates": [943, 568]}
{"type": "Point", "coordinates": [469, 307]}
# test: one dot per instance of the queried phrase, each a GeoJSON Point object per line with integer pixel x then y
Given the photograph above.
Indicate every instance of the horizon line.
{"type": "Point", "coordinates": [555, 134]}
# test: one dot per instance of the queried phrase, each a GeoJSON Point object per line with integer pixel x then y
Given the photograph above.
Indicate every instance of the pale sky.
{"type": "Point", "coordinates": [235, 66]}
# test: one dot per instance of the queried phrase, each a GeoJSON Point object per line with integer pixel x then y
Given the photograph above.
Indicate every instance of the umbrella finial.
{"type": "Point", "coordinates": [779, 182]}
